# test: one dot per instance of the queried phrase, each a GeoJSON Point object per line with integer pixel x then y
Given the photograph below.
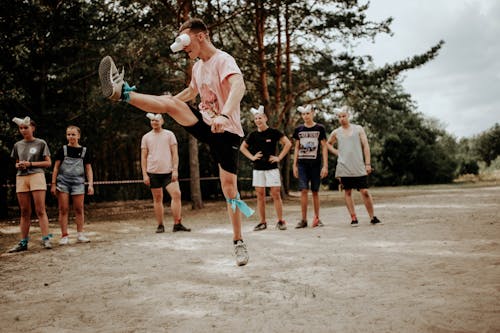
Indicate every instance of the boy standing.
{"type": "Point", "coordinates": [353, 163]}
{"type": "Point", "coordinates": [260, 148]}
{"type": "Point", "coordinates": [310, 162]}
{"type": "Point", "coordinates": [159, 164]}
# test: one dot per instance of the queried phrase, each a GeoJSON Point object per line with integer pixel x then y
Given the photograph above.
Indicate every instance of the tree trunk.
{"type": "Point", "coordinates": [194, 172]}
{"type": "Point", "coordinates": [194, 163]}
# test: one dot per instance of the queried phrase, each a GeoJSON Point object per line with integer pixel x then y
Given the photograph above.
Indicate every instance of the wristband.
{"type": "Point", "coordinates": [31, 164]}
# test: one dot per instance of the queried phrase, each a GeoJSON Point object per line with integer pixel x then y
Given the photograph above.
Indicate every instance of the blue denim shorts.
{"type": "Point", "coordinates": [309, 173]}
{"type": "Point", "coordinates": [72, 187]}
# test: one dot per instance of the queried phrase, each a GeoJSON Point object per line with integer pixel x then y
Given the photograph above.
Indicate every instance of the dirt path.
{"type": "Point", "coordinates": [432, 266]}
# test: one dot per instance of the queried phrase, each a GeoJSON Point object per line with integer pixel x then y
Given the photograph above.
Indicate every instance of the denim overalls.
{"type": "Point", "coordinates": [71, 176]}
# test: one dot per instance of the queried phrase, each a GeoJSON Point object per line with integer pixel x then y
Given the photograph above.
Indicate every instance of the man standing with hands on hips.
{"type": "Point", "coordinates": [260, 147]}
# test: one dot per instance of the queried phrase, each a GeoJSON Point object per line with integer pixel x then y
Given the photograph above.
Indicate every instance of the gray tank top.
{"type": "Point", "coordinates": [350, 162]}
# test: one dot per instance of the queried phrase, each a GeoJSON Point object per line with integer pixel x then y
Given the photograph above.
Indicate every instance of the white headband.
{"type": "Point", "coordinates": [26, 121]}
{"type": "Point", "coordinates": [260, 110]}
{"type": "Point", "coordinates": [153, 116]}
{"type": "Point", "coordinates": [302, 109]}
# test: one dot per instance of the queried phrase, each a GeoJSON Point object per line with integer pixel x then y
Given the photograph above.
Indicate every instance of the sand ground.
{"type": "Point", "coordinates": [432, 266]}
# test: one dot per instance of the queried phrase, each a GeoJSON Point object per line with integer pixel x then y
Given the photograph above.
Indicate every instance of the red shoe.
{"type": "Point", "coordinates": [317, 222]}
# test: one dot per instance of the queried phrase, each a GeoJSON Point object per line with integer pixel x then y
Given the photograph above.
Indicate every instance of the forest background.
{"type": "Point", "coordinates": [291, 53]}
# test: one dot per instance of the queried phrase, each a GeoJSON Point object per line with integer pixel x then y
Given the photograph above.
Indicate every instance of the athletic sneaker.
{"type": "Point", "coordinates": [301, 224]}
{"type": "Point", "coordinates": [317, 222]}
{"type": "Point", "coordinates": [281, 225]}
{"type": "Point", "coordinates": [354, 223]}
{"type": "Point", "coordinates": [19, 248]}
{"type": "Point", "coordinates": [241, 253]}
{"type": "Point", "coordinates": [82, 238]}
{"type": "Point", "coordinates": [64, 240]}
{"type": "Point", "coordinates": [160, 229]}
{"type": "Point", "coordinates": [46, 243]}
{"type": "Point", "coordinates": [375, 220]}
{"type": "Point", "coordinates": [260, 226]}
{"type": "Point", "coordinates": [180, 227]}
{"type": "Point", "coordinates": [111, 80]}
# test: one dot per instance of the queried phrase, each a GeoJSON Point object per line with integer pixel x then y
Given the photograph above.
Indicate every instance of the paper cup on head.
{"type": "Point", "coordinates": [154, 116]}
{"type": "Point", "coordinates": [260, 110]}
{"type": "Point", "coordinates": [180, 42]}
{"type": "Point", "coordinates": [305, 109]}
{"type": "Point", "coordinates": [26, 121]}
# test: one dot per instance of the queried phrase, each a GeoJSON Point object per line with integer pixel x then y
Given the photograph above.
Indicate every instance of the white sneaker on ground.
{"type": "Point", "coordinates": [241, 253]}
{"type": "Point", "coordinates": [64, 240]}
{"type": "Point", "coordinates": [46, 244]}
{"type": "Point", "coordinates": [82, 238]}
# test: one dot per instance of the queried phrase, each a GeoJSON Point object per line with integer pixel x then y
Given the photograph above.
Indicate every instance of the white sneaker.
{"type": "Point", "coordinates": [111, 79]}
{"type": "Point", "coordinates": [64, 240]}
{"type": "Point", "coordinates": [82, 238]}
{"type": "Point", "coordinates": [46, 244]}
{"type": "Point", "coordinates": [241, 253]}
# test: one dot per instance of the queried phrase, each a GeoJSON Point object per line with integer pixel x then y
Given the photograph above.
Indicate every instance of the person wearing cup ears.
{"type": "Point", "coordinates": [160, 165]}
{"type": "Point", "coordinates": [310, 162]}
{"type": "Point", "coordinates": [218, 80]}
{"type": "Point", "coordinates": [32, 155]}
{"type": "Point", "coordinates": [353, 163]}
{"type": "Point", "coordinates": [260, 146]}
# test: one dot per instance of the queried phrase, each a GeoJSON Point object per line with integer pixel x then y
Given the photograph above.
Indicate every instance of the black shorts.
{"type": "Point", "coordinates": [223, 146]}
{"type": "Point", "coordinates": [159, 180]}
{"type": "Point", "coordinates": [349, 183]}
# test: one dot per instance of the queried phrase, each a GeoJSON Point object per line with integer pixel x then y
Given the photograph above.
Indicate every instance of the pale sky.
{"type": "Point", "coordinates": [461, 86]}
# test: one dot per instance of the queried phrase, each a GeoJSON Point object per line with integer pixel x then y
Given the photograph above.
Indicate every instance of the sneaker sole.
{"type": "Point", "coordinates": [107, 69]}
{"type": "Point", "coordinates": [242, 263]}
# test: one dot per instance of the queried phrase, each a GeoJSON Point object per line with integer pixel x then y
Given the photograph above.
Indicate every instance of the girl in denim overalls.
{"type": "Point", "coordinates": [72, 163]}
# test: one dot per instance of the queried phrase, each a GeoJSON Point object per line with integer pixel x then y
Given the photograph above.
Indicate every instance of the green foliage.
{"type": "Point", "coordinates": [50, 52]}
{"type": "Point", "coordinates": [486, 146]}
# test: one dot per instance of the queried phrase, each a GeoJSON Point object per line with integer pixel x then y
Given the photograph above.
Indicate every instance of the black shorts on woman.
{"type": "Point", "coordinates": [224, 147]}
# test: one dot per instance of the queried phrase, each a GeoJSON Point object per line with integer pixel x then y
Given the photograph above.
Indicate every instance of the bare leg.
{"type": "Point", "coordinates": [170, 105]}
{"type": "Point", "coordinates": [24, 199]}
{"type": "Point", "coordinates": [158, 204]}
{"type": "Point", "coordinates": [230, 189]}
{"type": "Point", "coordinates": [278, 204]}
{"type": "Point", "coordinates": [174, 191]}
{"type": "Point", "coordinates": [315, 197]}
{"type": "Point", "coordinates": [41, 213]}
{"type": "Point", "coordinates": [63, 203]}
{"type": "Point", "coordinates": [78, 206]}
{"type": "Point", "coordinates": [368, 201]}
{"type": "Point", "coordinates": [349, 202]}
{"type": "Point", "coordinates": [303, 203]}
{"type": "Point", "coordinates": [261, 203]}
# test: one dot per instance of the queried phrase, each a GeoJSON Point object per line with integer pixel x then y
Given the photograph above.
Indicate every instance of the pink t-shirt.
{"type": "Point", "coordinates": [159, 158]}
{"type": "Point", "coordinates": [210, 81]}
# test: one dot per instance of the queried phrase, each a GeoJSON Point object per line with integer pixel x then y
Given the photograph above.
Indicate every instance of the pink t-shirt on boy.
{"type": "Point", "coordinates": [159, 158]}
{"type": "Point", "coordinates": [210, 81]}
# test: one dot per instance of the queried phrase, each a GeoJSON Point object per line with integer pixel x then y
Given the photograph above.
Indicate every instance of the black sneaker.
{"type": "Point", "coordinates": [301, 224]}
{"type": "Point", "coordinates": [19, 248]}
{"type": "Point", "coordinates": [375, 220]}
{"type": "Point", "coordinates": [160, 229]}
{"type": "Point", "coordinates": [260, 226]}
{"type": "Point", "coordinates": [180, 227]}
{"type": "Point", "coordinates": [281, 225]}
{"type": "Point", "coordinates": [354, 223]}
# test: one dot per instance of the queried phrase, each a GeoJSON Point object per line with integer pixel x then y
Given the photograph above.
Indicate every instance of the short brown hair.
{"type": "Point", "coordinates": [195, 25]}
